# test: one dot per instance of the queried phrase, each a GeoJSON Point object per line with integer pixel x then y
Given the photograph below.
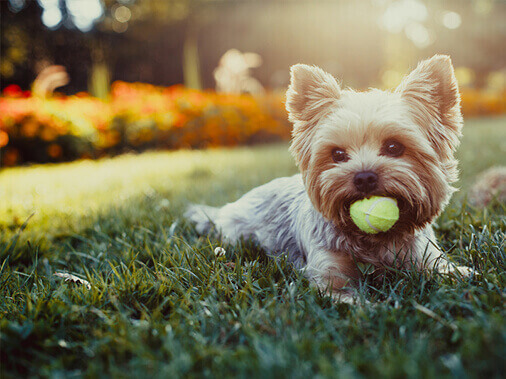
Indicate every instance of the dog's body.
{"type": "Point", "coordinates": [348, 146]}
{"type": "Point", "coordinates": [279, 216]}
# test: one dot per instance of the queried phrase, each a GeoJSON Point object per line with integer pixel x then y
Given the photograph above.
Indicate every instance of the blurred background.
{"type": "Point", "coordinates": [88, 78]}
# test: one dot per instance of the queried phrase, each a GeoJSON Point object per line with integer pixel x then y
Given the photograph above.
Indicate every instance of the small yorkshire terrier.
{"type": "Point", "coordinates": [349, 146]}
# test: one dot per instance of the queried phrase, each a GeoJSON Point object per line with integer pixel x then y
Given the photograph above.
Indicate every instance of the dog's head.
{"type": "Point", "coordinates": [351, 145]}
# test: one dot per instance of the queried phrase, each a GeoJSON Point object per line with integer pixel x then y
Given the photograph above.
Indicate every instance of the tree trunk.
{"type": "Point", "coordinates": [99, 80]}
{"type": "Point", "coordinates": [191, 61]}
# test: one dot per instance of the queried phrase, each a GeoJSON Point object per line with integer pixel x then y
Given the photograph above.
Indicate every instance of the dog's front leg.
{"type": "Point", "coordinates": [443, 266]}
{"type": "Point", "coordinates": [333, 272]}
{"type": "Point", "coordinates": [432, 258]}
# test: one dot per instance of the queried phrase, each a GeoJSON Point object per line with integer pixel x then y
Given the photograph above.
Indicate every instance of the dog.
{"type": "Point", "coordinates": [349, 146]}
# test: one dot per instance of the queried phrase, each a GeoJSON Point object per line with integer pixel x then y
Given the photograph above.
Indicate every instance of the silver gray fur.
{"type": "Point", "coordinates": [279, 216]}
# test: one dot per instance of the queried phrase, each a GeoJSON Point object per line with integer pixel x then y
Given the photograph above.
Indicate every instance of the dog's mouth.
{"type": "Point", "coordinates": [404, 214]}
{"type": "Point", "coordinates": [401, 203]}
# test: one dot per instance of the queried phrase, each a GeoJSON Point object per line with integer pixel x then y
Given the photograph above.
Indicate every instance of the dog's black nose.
{"type": "Point", "coordinates": [365, 181]}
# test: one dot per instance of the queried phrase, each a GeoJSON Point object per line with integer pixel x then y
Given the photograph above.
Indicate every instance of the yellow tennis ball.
{"type": "Point", "coordinates": [374, 215]}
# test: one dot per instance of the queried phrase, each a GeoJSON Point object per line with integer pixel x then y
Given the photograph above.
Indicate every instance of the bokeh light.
{"type": "Point", "coordinates": [403, 13]}
{"type": "Point", "coordinates": [84, 13]}
{"type": "Point", "coordinates": [16, 5]}
{"type": "Point", "coordinates": [451, 20]}
{"type": "Point", "coordinates": [464, 75]}
{"type": "Point", "coordinates": [51, 15]}
{"type": "Point", "coordinates": [419, 34]}
{"type": "Point", "coordinates": [122, 14]}
{"type": "Point", "coordinates": [119, 27]}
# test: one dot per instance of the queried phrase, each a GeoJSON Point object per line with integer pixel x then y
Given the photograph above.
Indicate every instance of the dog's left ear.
{"type": "Point", "coordinates": [432, 92]}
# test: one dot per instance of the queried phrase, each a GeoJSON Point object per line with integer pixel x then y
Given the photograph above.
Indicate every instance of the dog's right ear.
{"type": "Point", "coordinates": [311, 92]}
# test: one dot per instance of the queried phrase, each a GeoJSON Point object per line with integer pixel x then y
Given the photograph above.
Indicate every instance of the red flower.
{"type": "Point", "coordinates": [13, 90]}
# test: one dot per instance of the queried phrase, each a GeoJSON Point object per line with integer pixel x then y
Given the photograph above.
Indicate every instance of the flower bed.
{"type": "Point", "coordinates": [482, 103]}
{"type": "Point", "coordinates": [135, 118]}
{"type": "Point", "coordinates": [141, 116]}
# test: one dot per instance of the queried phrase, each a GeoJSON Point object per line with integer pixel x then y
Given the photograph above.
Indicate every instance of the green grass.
{"type": "Point", "coordinates": [161, 303]}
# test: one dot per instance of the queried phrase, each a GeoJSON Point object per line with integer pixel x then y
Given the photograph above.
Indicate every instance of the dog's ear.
{"type": "Point", "coordinates": [432, 92]}
{"type": "Point", "coordinates": [310, 93]}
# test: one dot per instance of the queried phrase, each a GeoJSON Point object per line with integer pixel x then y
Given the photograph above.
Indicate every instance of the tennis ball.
{"type": "Point", "coordinates": [374, 215]}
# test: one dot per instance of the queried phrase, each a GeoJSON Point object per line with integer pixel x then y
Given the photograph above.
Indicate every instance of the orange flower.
{"type": "Point", "coordinates": [54, 150]}
{"type": "Point", "coordinates": [10, 158]}
{"type": "Point", "coordinates": [4, 139]}
{"type": "Point", "coordinates": [48, 134]}
{"type": "Point", "coordinates": [30, 128]}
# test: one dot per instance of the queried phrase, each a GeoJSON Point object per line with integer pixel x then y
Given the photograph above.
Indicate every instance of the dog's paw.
{"type": "Point", "coordinates": [462, 271]}
{"type": "Point", "coordinates": [349, 297]}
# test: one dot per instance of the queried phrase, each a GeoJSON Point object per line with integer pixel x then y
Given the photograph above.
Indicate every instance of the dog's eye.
{"type": "Point", "coordinates": [392, 148]}
{"type": "Point", "coordinates": [339, 155]}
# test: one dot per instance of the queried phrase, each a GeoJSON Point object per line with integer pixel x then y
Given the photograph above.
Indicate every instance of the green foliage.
{"type": "Point", "coordinates": [162, 304]}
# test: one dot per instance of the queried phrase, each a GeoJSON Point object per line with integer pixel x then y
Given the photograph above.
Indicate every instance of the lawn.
{"type": "Point", "coordinates": [160, 302]}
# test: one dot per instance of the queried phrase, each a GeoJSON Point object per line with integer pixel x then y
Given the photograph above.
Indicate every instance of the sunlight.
{"type": "Point", "coordinates": [451, 20]}
{"type": "Point", "coordinates": [84, 13]}
{"type": "Point", "coordinates": [408, 16]}
{"type": "Point", "coordinates": [51, 15]}
{"type": "Point", "coordinates": [402, 13]}
{"type": "Point", "coordinates": [419, 34]}
{"type": "Point", "coordinates": [122, 14]}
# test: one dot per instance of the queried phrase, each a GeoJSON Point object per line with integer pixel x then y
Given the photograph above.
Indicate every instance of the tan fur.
{"type": "Point", "coordinates": [432, 91]}
{"type": "Point", "coordinates": [348, 272]}
{"type": "Point", "coordinates": [423, 113]}
{"type": "Point", "coordinates": [307, 216]}
{"type": "Point", "coordinates": [311, 94]}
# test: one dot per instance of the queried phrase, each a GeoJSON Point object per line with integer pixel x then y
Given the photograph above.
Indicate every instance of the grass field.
{"type": "Point", "coordinates": [160, 303]}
